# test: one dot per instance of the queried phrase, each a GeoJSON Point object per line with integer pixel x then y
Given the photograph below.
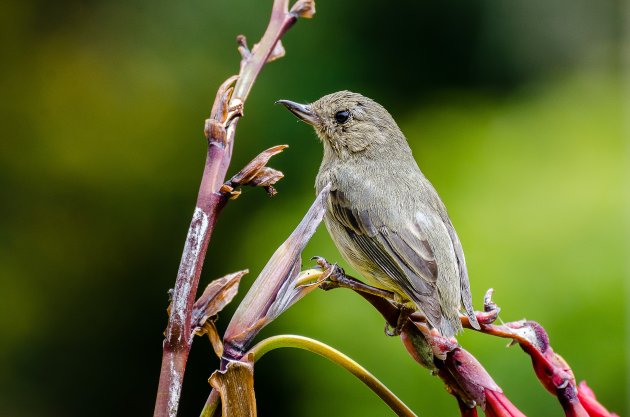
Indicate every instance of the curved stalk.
{"type": "Point", "coordinates": [212, 404]}
{"type": "Point", "coordinates": [333, 355]}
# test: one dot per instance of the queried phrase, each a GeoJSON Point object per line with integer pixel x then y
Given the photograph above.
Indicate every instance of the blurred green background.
{"type": "Point", "coordinates": [514, 110]}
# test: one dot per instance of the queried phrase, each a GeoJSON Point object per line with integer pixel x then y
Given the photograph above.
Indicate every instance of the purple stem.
{"type": "Point", "coordinates": [210, 202]}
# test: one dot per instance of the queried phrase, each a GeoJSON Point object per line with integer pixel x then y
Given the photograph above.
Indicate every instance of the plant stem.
{"type": "Point", "coordinates": [212, 404]}
{"type": "Point", "coordinates": [210, 202]}
{"type": "Point", "coordinates": [315, 346]}
{"type": "Point", "coordinates": [281, 20]}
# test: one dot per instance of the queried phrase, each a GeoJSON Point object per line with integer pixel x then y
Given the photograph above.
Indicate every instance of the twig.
{"type": "Point", "coordinates": [220, 130]}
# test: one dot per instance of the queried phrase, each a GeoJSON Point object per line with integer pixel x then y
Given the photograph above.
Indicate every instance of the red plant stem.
{"type": "Point", "coordinates": [210, 202]}
{"type": "Point", "coordinates": [552, 371]}
{"type": "Point", "coordinates": [465, 410]}
{"type": "Point", "coordinates": [463, 375]}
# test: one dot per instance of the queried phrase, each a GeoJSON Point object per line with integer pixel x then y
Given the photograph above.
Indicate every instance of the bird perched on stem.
{"type": "Point", "coordinates": [383, 214]}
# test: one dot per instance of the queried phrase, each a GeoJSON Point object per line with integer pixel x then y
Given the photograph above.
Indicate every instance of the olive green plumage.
{"type": "Point", "coordinates": [385, 217]}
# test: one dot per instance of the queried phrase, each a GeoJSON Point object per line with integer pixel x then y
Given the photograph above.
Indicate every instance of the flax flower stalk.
{"type": "Point", "coordinates": [220, 131]}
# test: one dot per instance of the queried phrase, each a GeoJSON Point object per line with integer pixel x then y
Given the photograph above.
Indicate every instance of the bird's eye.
{"type": "Point", "coordinates": [342, 116]}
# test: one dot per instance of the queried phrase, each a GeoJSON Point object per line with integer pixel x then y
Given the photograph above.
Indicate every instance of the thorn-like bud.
{"type": "Point", "coordinates": [221, 114]}
{"type": "Point", "coordinates": [224, 94]}
{"type": "Point", "coordinates": [243, 49]}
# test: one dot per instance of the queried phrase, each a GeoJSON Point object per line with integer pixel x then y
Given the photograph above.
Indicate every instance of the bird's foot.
{"type": "Point", "coordinates": [404, 313]}
{"type": "Point", "coordinates": [335, 277]}
{"type": "Point", "coordinates": [333, 271]}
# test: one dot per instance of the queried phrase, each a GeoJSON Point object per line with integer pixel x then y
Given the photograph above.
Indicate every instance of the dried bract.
{"type": "Point", "coordinates": [303, 8]}
{"type": "Point", "coordinates": [236, 387]}
{"type": "Point", "coordinates": [214, 298]}
{"type": "Point", "coordinates": [275, 289]}
{"type": "Point", "coordinates": [257, 174]}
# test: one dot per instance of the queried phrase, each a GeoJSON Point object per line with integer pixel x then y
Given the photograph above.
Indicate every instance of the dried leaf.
{"type": "Point", "coordinates": [236, 387]}
{"type": "Point", "coordinates": [256, 173]}
{"type": "Point", "coordinates": [266, 177]}
{"type": "Point", "coordinates": [214, 298]}
{"type": "Point", "coordinates": [304, 8]}
{"type": "Point", "coordinates": [275, 290]}
{"type": "Point", "coordinates": [215, 340]}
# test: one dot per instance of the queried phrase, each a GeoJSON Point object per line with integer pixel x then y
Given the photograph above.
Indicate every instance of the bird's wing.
{"type": "Point", "coordinates": [403, 254]}
{"type": "Point", "coordinates": [463, 276]}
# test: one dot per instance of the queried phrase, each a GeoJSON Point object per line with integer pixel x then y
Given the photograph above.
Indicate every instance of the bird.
{"type": "Point", "coordinates": [385, 217]}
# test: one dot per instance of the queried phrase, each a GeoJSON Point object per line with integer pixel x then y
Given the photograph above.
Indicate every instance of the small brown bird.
{"type": "Point", "coordinates": [385, 217]}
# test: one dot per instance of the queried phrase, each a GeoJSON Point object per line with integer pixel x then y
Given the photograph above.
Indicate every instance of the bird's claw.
{"type": "Point", "coordinates": [404, 313]}
{"type": "Point", "coordinates": [390, 330]}
{"type": "Point", "coordinates": [334, 272]}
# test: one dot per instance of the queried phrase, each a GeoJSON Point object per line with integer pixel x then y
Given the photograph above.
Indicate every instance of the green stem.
{"type": "Point", "coordinates": [315, 346]}
{"type": "Point", "coordinates": [212, 404]}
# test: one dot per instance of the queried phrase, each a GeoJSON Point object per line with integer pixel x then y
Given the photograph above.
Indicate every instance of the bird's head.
{"type": "Point", "coordinates": [348, 123]}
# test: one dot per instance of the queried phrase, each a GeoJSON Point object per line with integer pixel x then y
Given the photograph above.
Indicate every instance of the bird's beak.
{"type": "Point", "coordinates": [302, 111]}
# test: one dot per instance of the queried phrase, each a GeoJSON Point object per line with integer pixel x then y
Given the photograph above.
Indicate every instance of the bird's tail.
{"type": "Point", "coordinates": [447, 322]}
{"type": "Point", "coordinates": [449, 326]}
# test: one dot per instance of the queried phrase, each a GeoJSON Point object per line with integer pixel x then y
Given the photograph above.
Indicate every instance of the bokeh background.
{"type": "Point", "coordinates": [514, 109]}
